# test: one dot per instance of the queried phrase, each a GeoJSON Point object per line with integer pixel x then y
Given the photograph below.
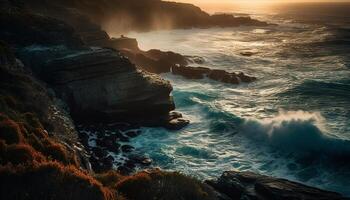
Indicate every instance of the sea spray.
{"type": "Point", "coordinates": [299, 133]}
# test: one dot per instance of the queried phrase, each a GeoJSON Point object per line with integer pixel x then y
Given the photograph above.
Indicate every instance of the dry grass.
{"type": "Point", "coordinates": [50, 180]}
{"type": "Point", "coordinates": [163, 185]}
{"type": "Point", "coordinates": [10, 132]}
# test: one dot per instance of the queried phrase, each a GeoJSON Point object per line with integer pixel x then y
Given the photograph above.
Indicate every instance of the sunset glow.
{"type": "Point", "coordinates": [245, 5]}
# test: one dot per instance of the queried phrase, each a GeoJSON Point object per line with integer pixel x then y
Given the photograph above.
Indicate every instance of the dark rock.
{"type": "Point", "coordinates": [177, 124]}
{"type": "Point", "coordinates": [99, 152]}
{"type": "Point", "coordinates": [99, 84]}
{"type": "Point", "coordinates": [84, 138]}
{"type": "Point", "coordinates": [154, 61]}
{"type": "Point", "coordinates": [195, 59]}
{"type": "Point", "coordinates": [123, 170]}
{"type": "Point", "coordinates": [125, 43]}
{"type": "Point", "coordinates": [247, 53]}
{"type": "Point", "coordinates": [223, 76]}
{"type": "Point", "coordinates": [251, 186]}
{"type": "Point", "coordinates": [147, 63]}
{"type": "Point", "coordinates": [20, 28]}
{"type": "Point", "coordinates": [169, 56]}
{"type": "Point", "coordinates": [117, 127]}
{"type": "Point", "coordinates": [215, 74]}
{"type": "Point", "coordinates": [140, 160]}
{"type": "Point", "coordinates": [107, 163]}
{"type": "Point", "coordinates": [245, 78]}
{"type": "Point", "coordinates": [146, 162]}
{"type": "Point", "coordinates": [110, 145]}
{"type": "Point", "coordinates": [127, 148]}
{"type": "Point", "coordinates": [122, 138]}
{"type": "Point", "coordinates": [190, 72]}
{"type": "Point", "coordinates": [174, 115]}
{"type": "Point", "coordinates": [133, 133]}
{"type": "Point", "coordinates": [227, 20]}
{"type": "Point", "coordinates": [130, 164]}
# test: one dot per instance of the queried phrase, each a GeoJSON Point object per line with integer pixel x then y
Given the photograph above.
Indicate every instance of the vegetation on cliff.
{"type": "Point", "coordinates": [36, 164]}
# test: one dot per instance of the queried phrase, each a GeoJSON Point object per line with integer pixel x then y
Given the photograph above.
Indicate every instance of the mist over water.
{"type": "Point", "coordinates": [294, 122]}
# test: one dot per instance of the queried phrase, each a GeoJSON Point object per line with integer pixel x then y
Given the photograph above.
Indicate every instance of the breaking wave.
{"type": "Point", "coordinates": [299, 133]}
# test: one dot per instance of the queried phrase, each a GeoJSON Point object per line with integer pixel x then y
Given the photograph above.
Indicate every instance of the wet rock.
{"type": "Point", "coordinates": [124, 170]}
{"type": "Point", "coordinates": [154, 60]}
{"type": "Point", "coordinates": [127, 148]}
{"type": "Point", "coordinates": [190, 72]}
{"type": "Point", "coordinates": [130, 164]}
{"type": "Point", "coordinates": [223, 76]}
{"type": "Point", "coordinates": [121, 137]}
{"type": "Point", "coordinates": [84, 138]}
{"type": "Point", "coordinates": [174, 115]}
{"type": "Point", "coordinates": [125, 43]}
{"type": "Point", "coordinates": [146, 162]}
{"type": "Point", "coordinates": [251, 186]}
{"type": "Point", "coordinates": [106, 163]}
{"type": "Point", "coordinates": [99, 152]}
{"type": "Point", "coordinates": [133, 133]}
{"type": "Point", "coordinates": [177, 124]}
{"type": "Point", "coordinates": [247, 53]}
{"type": "Point", "coordinates": [245, 78]}
{"type": "Point", "coordinates": [217, 75]}
{"type": "Point", "coordinates": [196, 59]}
{"type": "Point", "coordinates": [141, 160]}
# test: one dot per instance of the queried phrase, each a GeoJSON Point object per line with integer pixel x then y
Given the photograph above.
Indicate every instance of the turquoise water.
{"type": "Point", "coordinates": [294, 122]}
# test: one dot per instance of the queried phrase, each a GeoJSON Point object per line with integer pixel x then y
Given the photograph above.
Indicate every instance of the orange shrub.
{"type": "Point", "coordinates": [50, 180]}
{"type": "Point", "coordinates": [56, 151]}
{"type": "Point", "coordinates": [109, 179]}
{"type": "Point", "coordinates": [19, 154]}
{"type": "Point", "coordinates": [163, 185]}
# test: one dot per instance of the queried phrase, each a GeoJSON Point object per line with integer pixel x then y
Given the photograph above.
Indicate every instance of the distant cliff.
{"type": "Point", "coordinates": [133, 15]}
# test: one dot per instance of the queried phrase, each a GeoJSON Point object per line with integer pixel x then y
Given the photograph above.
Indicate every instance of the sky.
{"type": "Point", "coordinates": [226, 5]}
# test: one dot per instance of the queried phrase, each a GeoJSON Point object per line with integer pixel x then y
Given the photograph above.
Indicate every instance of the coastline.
{"type": "Point", "coordinates": [94, 85]}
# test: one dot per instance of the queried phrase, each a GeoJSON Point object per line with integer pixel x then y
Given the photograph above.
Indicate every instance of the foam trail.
{"type": "Point", "coordinates": [298, 132]}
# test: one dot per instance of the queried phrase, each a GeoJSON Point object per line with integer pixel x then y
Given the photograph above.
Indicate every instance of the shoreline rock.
{"type": "Point", "coordinates": [214, 74]}
{"type": "Point", "coordinates": [156, 61]}
{"type": "Point", "coordinates": [252, 186]}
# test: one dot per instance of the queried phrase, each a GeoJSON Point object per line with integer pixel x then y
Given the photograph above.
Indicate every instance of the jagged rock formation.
{"type": "Point", "coordinates": [158, 62]}
{"type": "Point", "coordinates": [154, 61]}
{"type": "Point", "coordinates": [96, 83]}
{"type": "Point", "coordinates": [251, 186]}
{"type": "Point", "coordinates": [100, 83]}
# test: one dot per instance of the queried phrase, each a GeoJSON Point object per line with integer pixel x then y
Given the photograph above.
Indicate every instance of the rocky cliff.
{"type": "Point", "coordinates": [96, 83]}
{"type": "Point", "coordinates": [44, 61]}
{"type": "Point", "coordinates": [125, 16]}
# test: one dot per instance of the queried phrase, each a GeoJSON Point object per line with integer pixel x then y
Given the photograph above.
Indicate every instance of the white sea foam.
{"type": "Point", "coordinates": [296, 132]}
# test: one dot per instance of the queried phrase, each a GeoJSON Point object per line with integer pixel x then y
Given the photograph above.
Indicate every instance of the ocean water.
{"type": "Point", "coordinates": [294, 122]}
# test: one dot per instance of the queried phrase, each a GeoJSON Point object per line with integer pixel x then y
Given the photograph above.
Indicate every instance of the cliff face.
{"type": "Point", "coordinates": [96, 83]}
{"type": "Point", "coordinates": [100, 83]}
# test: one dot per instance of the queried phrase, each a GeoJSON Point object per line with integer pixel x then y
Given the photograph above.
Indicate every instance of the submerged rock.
{"type": "Point", "coordinates": [251, 186]}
